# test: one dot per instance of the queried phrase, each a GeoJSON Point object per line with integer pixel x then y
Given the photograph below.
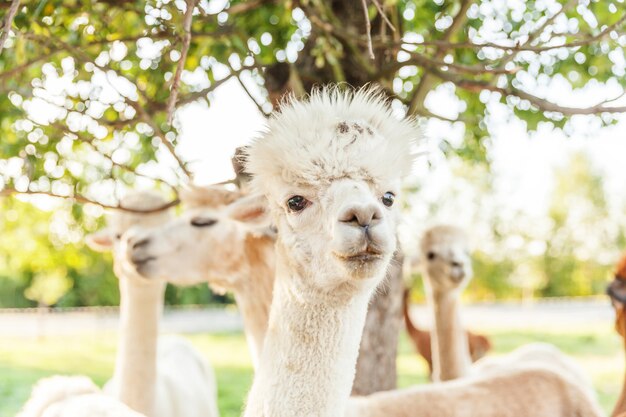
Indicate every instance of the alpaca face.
{"type": "Point", "coordinates": [346, 228]}
{"type": "Point", "coordinates": [330, 167]}
{"type": "Point", "coordinates": [617, 292]}
{"type": "Point", "coordinates": [445, 258]}
{"type": "Point", "coordinates": [118, 223]}
{"type": "Point", "coordinates": [203, 245]}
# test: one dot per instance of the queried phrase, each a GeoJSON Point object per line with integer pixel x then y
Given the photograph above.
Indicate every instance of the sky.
{"type": "Point", "coordinates": [524, 162]}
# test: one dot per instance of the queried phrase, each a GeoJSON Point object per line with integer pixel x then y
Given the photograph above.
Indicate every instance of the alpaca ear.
{"type": "Point", "coordinates": [251, 209]}
{"type": "Point", "coordinates": [101, 241]}
{"type": "Point", "coordinates": [194, 196]}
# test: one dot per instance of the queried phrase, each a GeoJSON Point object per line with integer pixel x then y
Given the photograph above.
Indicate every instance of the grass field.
{"type": "Point", "coordinates": [23, 361]}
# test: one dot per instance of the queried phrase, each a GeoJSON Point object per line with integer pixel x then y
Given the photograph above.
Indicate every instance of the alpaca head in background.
{"type": "Point", "coordinates": [445, 258]}
{"type": "Point", "coordinates": [331, 167]}
{"type": "Point", "coordinates": [120, 222]}
{"type": "Point", "coordinates": [213, 241]}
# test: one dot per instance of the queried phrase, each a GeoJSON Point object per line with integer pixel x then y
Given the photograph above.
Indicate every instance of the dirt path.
{"type": "Point", "coordinates": [560, 314]}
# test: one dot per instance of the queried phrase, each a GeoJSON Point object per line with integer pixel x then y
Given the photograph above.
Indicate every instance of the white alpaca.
{"type": "Point", "coordinates": [230, 246]}
{"type": "Point", "coordinates": [159, 378]}
{"type": "Point", "coordinates": [72, 396]}
{"type": "Point", "coordinates": [330, 167]}
{"type": "Point", "coordinates": [446, 268]}
{"type": "Point", "coordinates": [165, 379]}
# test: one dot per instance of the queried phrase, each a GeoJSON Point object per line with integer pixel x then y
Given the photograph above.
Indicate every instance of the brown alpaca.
{"type": "Point", "coordinates": [479, 345]}
{"type": "Point", "coordinates": [617, 292]}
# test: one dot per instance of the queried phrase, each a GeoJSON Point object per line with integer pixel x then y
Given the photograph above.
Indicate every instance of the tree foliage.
{"type": "Point", "coordinates": [88, 88]}
{"type": "Point", "coordinates": [99, 74]}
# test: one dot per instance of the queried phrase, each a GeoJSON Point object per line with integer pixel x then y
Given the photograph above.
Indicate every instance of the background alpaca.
{"type": "Point", "coordinates": [330, 168]}
{"type": "Point", "coordinates": [479, 345]}
{"type": "Point", "coordinates": [447, 269]}
{"type": "Point", "coordinates": [529, 391]}
{"type": "Point", "coordinates": [72, 396]}
{"type": "Point", "coordinates": [225, 242]}
{"type": "Point", "coordinates": [617, 292]}
{"type": "Point", "coordinates": [164, 379]}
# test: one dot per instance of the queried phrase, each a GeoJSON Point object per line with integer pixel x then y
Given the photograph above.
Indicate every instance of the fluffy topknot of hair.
{"type": "Point", "coordinates": [334, 134]}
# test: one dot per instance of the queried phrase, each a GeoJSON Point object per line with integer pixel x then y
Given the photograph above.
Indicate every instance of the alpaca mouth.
{"type": "Point", "coordinates": [368, 255]}
{"type": "Point", "coordinates": [457, 279]}
{"type": "Point", "coordinates": [141, 262]}
{"type": "Point", "coordinates": [617, 290]}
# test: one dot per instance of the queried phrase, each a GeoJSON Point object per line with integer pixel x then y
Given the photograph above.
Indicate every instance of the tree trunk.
{"type": "Point", "coordinates": [376, 367]}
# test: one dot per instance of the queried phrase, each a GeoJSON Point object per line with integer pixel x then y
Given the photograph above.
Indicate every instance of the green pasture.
{"type": "Point", "coordinates": [23, 361]}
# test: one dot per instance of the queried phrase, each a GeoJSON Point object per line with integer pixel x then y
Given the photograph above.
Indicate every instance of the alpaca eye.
{"type": "Point", "coordinates": [388, 199]}
{"type": "Point", "coordinates": [297, 203]}
{"type": "Point", "coordinates": [203, 222]}
{"type": "Point", "coordinates": [431, 256]}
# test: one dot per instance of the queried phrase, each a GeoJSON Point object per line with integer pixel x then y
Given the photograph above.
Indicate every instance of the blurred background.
{"type": "Point", "coordinates": [524, 147]}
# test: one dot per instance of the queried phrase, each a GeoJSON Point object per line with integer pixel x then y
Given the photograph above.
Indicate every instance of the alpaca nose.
{"type": "Point", "coordinates": [136, 244]}
{"type": "Point", "coordinates": [458, 272]}
{"type": "Point", "coordinates": [361, 215]}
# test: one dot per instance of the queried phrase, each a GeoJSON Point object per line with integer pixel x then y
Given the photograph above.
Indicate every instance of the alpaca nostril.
{"type": "Point", "coordinates": [355, 220]}
{"type": "Point", "coordinates": [351, 219]}
{"type": "Point", "coordinates": [456, 264]}
{"type": "Point", "coordinates": [141, 243]}
{"type": "Point", "coordinates": [362, 216]}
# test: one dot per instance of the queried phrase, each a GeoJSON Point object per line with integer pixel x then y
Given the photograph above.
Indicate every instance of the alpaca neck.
{"type": "Point", "coordinates": [255, 315]}
{"type": "Point", "coordinates": [410, 326]}
{"type": "Point", "coordinates": [450, 348]}
{"type": "Point", "coordinates": [310, 351]}
{"type": "Point", "coordinates": [135, 367]}
{"type": "Point", "coordinates": [254, 296]}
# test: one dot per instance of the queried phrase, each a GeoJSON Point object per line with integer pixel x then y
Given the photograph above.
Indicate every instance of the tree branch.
{"type": "Point", "coordinates": [518, 47]}
{"type": "Point", "coordinates": [62, 129]}
{"type": "Point", "coordinates": [202, 93]}
{"type": "Point", "coordinates": [82, 199]}
{"type": "Point", "coordinates": [426, 62]}
{"type": "Point", "coordinates": [536, 33]}
{"type": "Point", "coordinates": [246, 7]}
{"type": "Point", "coordinates": [427, 81]}
{"type": "Point", "coordinates": [368, 29]}
{"type": "Point", "coordinates": [381, 11]}
{"type": "Point", "coordinates": [171, 103]}
{"type": "Point", "coordinates": [350, 40]}
{"type": "Point", "coordinates": [157, 131]}
{"type": "Point", "coordinates": [247, 91]}
{"type": "Point", "coordinates": [8, 22]}
{"type": "Point", "coordinates": [139, 109]}
{"type": "Point", "coordinates": [20, 68]}
{"type": "Point", "coordinates": [540, 103]}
